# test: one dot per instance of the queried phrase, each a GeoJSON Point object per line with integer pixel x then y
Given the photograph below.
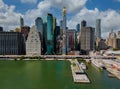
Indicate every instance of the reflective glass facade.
{"type": "Point", "coordinates": [50, 43]}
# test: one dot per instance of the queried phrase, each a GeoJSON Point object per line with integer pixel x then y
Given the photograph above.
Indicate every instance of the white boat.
{"type": "Point", "coordinates": [83, 65]}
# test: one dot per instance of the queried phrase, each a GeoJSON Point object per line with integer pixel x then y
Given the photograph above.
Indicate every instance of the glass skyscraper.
{"type": "Point", "coordinates": [50, 37]}
{"type": "Point", "coordinates": [21, 22]}
{"type": "Point", "coordinates": [98, 28]}
{"type": "Point", "coordinates": [78, 27]}
{"type": "Point", "coordinates": [39, 25]}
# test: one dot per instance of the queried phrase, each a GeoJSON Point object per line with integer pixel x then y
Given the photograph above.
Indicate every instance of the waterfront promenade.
{"type": "Point", "coordinates": [108, 65]}
{"type": "Point", "coordinates": [86, 57]}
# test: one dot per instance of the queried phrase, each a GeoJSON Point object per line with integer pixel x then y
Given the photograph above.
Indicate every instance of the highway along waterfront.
{"type": "Point", "coordinates": [50, 75]}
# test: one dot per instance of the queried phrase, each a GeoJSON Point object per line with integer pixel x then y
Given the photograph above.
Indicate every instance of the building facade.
{"type": "Point", "coordinates": [1, 29]}
{"type": "Point", "coordinates": [33, 43]}
{"type": "Point", "coordinates": [101, 44]}
{"type": "Point", "coordinates": [78, 27]}
{"type": "Point", "coordinates": [39, 25]}
{"type": "Point", "coordinates": [83, 24]}
{"type": "Point", "coordinates": [25, 30]}
{"type": "Point", "coordinates": [71, 39]}
{"type": "Point", "coordinates": [98, 28]}
{"type": "Point", "coordinates": [87, 39]}
{"type": "Point", "coordinates": [113, 40]}
{"type": "Point", "coordinates": [12, 43]}
{"type": "Point", "coordinates": [50, 37]}
{"type": "Point", "coordinates": [21, 22]}
{"type": "Point", "coordinates": [64, 35]}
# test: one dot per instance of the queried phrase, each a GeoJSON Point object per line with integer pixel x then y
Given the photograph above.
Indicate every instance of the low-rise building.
{"type": "Point", "coordinates": [12, 43]}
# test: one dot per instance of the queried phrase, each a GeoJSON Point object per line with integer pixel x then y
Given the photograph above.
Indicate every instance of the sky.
{"type": "Point", "coordinates": [77, 10]}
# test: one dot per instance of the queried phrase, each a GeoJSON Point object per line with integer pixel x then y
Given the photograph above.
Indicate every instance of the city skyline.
{"type": "Point", "coordinates": [78, 10]}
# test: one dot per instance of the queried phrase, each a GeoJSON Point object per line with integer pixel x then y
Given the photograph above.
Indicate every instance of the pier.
{"type": "Point", "coordinates": [78, 74]}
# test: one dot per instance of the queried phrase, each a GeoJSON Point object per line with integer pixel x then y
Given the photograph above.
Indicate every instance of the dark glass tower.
{"type": "Point", "coordinates": [83, 23]}
{"type": "Point", "coordinates": [39, 25]}
{"type": "Point", "coordinates": [21, 22]}
{"type": "Point", "coordinates": [50, 38]}
{"type": "Point", "coordinates": [78, 27]}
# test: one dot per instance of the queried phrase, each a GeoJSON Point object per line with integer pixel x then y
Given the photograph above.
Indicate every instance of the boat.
{"type": "Point", "coordinates": [83, 66]}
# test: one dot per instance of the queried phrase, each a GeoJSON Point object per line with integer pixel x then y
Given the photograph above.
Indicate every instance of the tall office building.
{"type": "Point", "coordinates": [12, 43]}
{"type": "Point", "coordinates": [118, 36]}
{"type": "Point", "coordinates": [1, 29]}
{"type": "Point", "coordinates": [50, 37]}
{"type": "Point", "coordinates": [33, 43]}
{"type": "Point", "coordinates": [21, 22]}
{"type": "Point", "coordinates": [25, 30]}
{"type": "Point", "coordinates": [87, 39]}
{"type": "Point", "coordinates": [61, 27]}
{"type": "Point", "coordinates": [78, 27]}
{"type": "Point", "coordinates": [83, 24]}
{"type": "Point", "coordinates": [56, 39]}
{"type": "Point", "coordinates": [71, 39]}
{"type": "Point", "coordinates": [64, 48]}
{"type": "Point", "coordinates": [98, 28]}
{"type": "Point", "coordinates": [39, 25]}
{"type": "Point", "coordinates": [44, 37]}
{"type": "Point", "coordinates": [113, 41]}
{"type": "Point", "coordinates": [54, 24]}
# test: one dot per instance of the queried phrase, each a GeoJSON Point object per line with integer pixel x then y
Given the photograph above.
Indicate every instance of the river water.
{"type": "Point", "coordinates": [50, 75]}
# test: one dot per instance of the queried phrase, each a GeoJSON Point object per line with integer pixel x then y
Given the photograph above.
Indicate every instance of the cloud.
{"type": "Point", "coordinates": [42, 8]}
{"type": "Point", "coordinates": [8, 18]}
{"type": "Point", "coordinates": [29, 1]}
{"type": "Point", "coordinates": [118, 0]}
{"type": "Point", "coordinates": [46, 5]}
{"type": "Point", "coordinates": [71, 5]}
{"type": "Point", "coordinates": [109, 19]}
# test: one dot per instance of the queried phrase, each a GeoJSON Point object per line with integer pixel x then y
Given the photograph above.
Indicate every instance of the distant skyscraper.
{"type": "Point", "coordinates": [98, 28]}
{"type": "Point", "coordinates": [61, 27]}
{"type": "Point", "coordinates": [56, 39]}
{"type": "Point", "coordinates": [33, 43]}
{"type": "Point", "coordinates": [87, 38]}
{"type": "Point", "coordinates": [25, 30]}
{"type": "Point", "coordinates": [83, 24]}
{"type": "Point", "coordinates": [64, 49]}
{"type": "Point", "coordinates": [113, 41]}
{"type": "Point", "coordinates": [1, 29]}
{"type": "Point", "coordinates": [78, 27]}
{"type": "Point", "coordinates": [21, 22]}
{"type": "Point", "coordinates": [44, 37]}
{"type": "Point", "coordinates": [71, 39]}
{"type": "Point", "coordinates": [54, 24]}
{"type": "Point", "coordinates": [118, 36]}
{"type": "Point", "coordinates": [50, 37]}
{"type": "Point", "coordinates": [39, 25]}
